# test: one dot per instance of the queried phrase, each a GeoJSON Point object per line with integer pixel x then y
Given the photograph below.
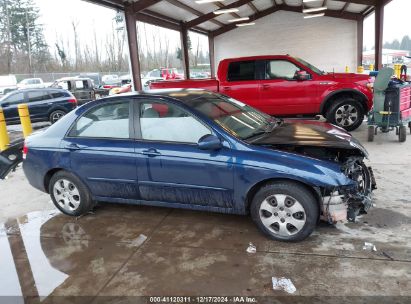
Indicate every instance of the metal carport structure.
{"type": "Point", "coordinates": [186, 15]}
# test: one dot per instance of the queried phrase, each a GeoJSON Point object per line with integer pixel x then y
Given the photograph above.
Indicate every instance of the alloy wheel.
{"type": "Point", "coordinates": [67, 195]}
{"type": "Point", "coordinates": [346, 115]}
{"type": "Point", "coordinates": [282, 215]}
{"type": "Point", "coordinates": [56, 116]}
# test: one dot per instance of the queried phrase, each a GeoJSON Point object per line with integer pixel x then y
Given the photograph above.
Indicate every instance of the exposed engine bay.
{"type": "Point", "coordinates": [342, 203]}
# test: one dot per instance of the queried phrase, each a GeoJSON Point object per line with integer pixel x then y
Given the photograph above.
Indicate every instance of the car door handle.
{"type": "Point", "coordinates": [73, 147]}
{"type": "Point", "coordinates": [227, 88]}
{"type": "Point", "coordinates": [151, 152]}
{"type": "Point", "coordinates": [265, 86]}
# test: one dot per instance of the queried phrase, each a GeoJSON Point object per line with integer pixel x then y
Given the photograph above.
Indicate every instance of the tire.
{"type": "Point", "coordinates": [69, 194]}
{"type": "Point", "coordinates": [343, 111]}
{"type": "Point", "coordinates": [56, 116]}
{"type": "Point", "coordinates": [402, 134]}
{"type": "Point", "coordinates": [299, 208]}
{"type": "Point", "coordinates": [371, 133]}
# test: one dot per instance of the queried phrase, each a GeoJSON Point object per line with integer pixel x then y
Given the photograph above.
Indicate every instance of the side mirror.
{"type": "Point", "coordinates": [302, 75]}
{"type": "Point", "coordinates": [209, 142]}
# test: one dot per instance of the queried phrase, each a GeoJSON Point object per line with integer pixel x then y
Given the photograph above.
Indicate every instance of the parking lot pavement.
{"type": "Point", "coordinates": [121, 250]}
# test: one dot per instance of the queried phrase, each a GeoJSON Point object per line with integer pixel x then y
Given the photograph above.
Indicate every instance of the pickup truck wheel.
{"type": "Point", "coordinates": [56, 115]}
{"type": "Point", "coordinates": [69, 194]}
{"type": "Point", "coordinates": [346, 113]}
{"type": "Point", "coordinates": [285, 211]}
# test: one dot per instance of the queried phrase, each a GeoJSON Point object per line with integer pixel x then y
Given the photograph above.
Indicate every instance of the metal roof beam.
{"type": "Point", "coordinates": [191, 10]}
{"type": "Point", "coordinates": [254, 17]}
{"type": "Point", "coordinates": [364, 2]}
{"type": "Point", "coordinates": [211, 15]}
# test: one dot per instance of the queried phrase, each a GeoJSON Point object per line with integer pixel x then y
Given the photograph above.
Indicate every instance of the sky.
{"type": "Point", "coordinates": [396, 23]}
{"type": "Point", "coordinates": [57, 17]}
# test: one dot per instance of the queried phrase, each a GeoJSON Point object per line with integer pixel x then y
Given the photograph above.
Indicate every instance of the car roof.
{"type": "Point", "coordinates": [73, 78]}
{"type": "Point", "coordinates": [36, 89]}
{"type": "Point", "coordinates": [183, 95]}
{"type": "Point", "coordinates": [259, 57]}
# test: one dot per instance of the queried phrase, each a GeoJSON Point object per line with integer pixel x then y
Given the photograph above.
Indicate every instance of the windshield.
{"type": "Point", "coordinates": [235, 117]}
{"type": "Point", "coordinates": [309, 65]}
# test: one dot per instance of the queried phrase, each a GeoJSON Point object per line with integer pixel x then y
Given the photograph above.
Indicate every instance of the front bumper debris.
{"type": "Point", "coordinates": [11, 158]}
{"type": "Point", "coordinates": [347, 203]}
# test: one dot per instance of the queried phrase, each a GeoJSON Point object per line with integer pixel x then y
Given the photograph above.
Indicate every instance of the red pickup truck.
{"type": "Point", "coordinates": [283, 85]}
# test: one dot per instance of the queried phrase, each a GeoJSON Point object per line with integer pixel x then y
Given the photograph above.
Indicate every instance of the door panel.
{"type": "Point", "coordinates": [102, 151]}
{"type": "Point", "coordinates": [39, 102]}
{"type": "Point", "coordinates": [282, 94]}
{"type": "Point", "coordinates": [107, 166]}
{"type": "Point", "coordinates": [180, 173]}
{"type": "Point", "coordinates": [176, 170]}
{"type": "Point", "coordinates": [10, 106]}
{"type": "Point", "coordinates": [242, 83]}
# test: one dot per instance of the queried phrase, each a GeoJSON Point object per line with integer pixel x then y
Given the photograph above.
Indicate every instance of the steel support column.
{"type": "Point", "coordinates": [379, 29]}
{"type": "Point", "coordinates": [360, 41]}
{"type": "Point", "coordinates": [184, 50]}
{"type": "Point", "coordinates": [211, 53]}
{"type": "Point", "coordinates": [131, 25]}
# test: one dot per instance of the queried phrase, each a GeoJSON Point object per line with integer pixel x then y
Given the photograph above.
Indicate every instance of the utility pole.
{"type": "Point", "coordinates": [28, 42]}
{"type": "Point", "coordinates": [8, 38]}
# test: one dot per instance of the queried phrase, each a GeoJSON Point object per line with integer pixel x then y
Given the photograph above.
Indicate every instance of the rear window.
{"type": "Point", "coordinates": [241, 70]}
{"type": "Point", "coordinates": [56, 94]}
{"type": "Point", "coordinates": [35, 96]}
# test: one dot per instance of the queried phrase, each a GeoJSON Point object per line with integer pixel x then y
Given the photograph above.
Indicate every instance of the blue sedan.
{"type": "Point", "coordinates": [199, 150]}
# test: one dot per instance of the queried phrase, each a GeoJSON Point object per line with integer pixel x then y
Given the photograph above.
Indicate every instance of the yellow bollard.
{"type": "Point", "coordinates": [360, 70]}
{"type": "Point", "coordinates": [4, 136]}
{"type": "Point", "coordinates": [347, 69]}
{"type": "Point", "coordinates": [25, 119]}
{"type": "Point", "coordinates": [371, 67]}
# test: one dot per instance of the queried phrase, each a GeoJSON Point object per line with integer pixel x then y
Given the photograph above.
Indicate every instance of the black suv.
{"type": "Point", "coordinates": [44, 104]}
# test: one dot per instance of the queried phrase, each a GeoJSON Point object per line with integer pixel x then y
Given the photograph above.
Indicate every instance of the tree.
{"type": "Point", "coordinates": [406, 43]}
{"type": "Point", "coordinates": [21, 36]}
{"type": "Point", "coordinates": [179, 51]}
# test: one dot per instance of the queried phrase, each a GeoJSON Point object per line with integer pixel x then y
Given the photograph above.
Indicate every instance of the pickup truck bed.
{"type": "Point", "coordinates": [206, 84]}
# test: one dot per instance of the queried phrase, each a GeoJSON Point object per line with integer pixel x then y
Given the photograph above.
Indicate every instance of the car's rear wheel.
{"type": "Point", "coordinates": [346, 113]}
{"type": "Point", "coordinates": [56, 116]}
{"type": "Point", "coordinates": [285, 211]}
{"type": "Point", "coordinates": [69, 194]}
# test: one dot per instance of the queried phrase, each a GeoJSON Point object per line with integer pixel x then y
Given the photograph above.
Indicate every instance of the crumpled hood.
{"type": "Point", "coordinates": [309, 133]}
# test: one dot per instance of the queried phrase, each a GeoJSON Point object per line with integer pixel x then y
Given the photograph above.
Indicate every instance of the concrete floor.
{"type": "Point", "coordinates": [132, 250]}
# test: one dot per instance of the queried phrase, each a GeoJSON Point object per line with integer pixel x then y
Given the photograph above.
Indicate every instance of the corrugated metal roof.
{"type": "Point", "coordinates": [177, 11]}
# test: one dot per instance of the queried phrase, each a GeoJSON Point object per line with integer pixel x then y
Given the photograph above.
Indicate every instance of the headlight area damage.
{"type": "Point", "coordinates": [345, 202]}
{"type": "Point", "coordinates": [348, 202]}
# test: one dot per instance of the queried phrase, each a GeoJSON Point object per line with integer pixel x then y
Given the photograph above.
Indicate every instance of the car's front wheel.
{"type": "Point", "coordinates": [69, 194]}
{"type": "Point", "coordinates": [346, 113]}
{"type": "Point", "coordinates": [56, 116]}
{"type": "Point", "coordinates": [285, 211]}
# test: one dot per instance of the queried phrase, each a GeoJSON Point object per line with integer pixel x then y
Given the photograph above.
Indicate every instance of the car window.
{"type": "Point", "coordinates": [168, 122]}
{"type": "Point", "coordinates": [232, 115]}
{"type": "Point", "coordinates": [66, 85]}
{"type": "Point", "coordinates": [34, 96]}
{"type": "Point", "coordinates": [241, 70]}
{"type": "Point", "coordinates": [56, 94]}
{"type": "Point", "coordinates": [155, 73]}
{"type": "Point", "coordinates": [15, 99]}
{"type": "Point", "coordinates": [281, 69]}
{"type": "Point", "coordinates": [79, 84]}
{"type": "Point", "coordinates": [107, 121]}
